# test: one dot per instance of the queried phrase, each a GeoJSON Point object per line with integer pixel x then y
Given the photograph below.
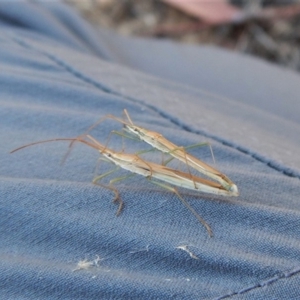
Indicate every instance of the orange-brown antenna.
{"type": "Point", "coordinates": [79, 139]}
{"type": "Point", "coordinates": [127, 116]}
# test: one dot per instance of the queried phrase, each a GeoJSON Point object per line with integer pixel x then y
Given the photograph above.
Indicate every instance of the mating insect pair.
{"type": "Point", "coordinates": [151, 171]}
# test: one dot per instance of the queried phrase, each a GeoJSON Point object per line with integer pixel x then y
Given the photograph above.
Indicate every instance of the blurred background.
{"type": "Point", "coordinates": [269, 29]}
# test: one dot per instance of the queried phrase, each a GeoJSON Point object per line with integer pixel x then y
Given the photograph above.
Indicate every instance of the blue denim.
{"type": "Point", "coordinates": [59, 76]}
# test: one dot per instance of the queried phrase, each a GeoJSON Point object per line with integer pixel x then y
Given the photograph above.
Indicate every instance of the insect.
{"type": "Point", "coordinates": [150, 170]}
{"type": "Point", "coordinates": [159, 142]}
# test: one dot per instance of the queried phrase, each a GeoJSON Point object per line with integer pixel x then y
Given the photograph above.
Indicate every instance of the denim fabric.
{"type": "Point", "coordinates": [58, 76]}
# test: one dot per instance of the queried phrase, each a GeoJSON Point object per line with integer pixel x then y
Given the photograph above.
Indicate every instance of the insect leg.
{"type": "Point", "coordinates": [112, 188]}
{"type": "Point", "coordinates": [187, 205]}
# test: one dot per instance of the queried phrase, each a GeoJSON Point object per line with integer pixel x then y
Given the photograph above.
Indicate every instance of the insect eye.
{"type": "Point", "coordinates": [109, 155]}
{"type": "Point", "coordinates": [135, 129]}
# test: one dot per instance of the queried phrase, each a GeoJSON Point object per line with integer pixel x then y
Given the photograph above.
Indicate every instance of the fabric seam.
{"type": "Point", "coordinates": [274, 279]}
{"type": "Point", "coordinates": [268, 162]}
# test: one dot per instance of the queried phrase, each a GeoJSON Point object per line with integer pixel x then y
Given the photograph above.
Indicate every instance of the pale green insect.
{"type": "Point", "coordinates": [137, 165]}
{"type": "Point", "coordinates": [158, 141]}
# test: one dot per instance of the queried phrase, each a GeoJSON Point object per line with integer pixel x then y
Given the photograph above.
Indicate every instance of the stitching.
{"type": "Point", "coordinates": [268, 162]}
{"type": "Point", "coordinates": [274, 279]}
